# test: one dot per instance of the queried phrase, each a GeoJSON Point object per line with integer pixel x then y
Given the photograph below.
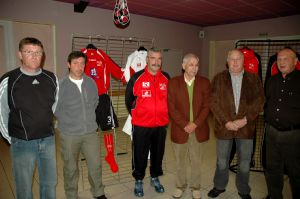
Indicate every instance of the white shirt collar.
{"type": "Point", "coordinates": [189, 82]}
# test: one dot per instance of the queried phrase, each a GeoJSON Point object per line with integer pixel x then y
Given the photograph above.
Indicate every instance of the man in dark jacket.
{"type": "Point", "coordinates": [237, 99]}
{"type": "Point", "coordinates": [146, 101]}
{"type": "Point", "coordinates": [27, 101]}
{"type": "Point", "coordinates": [282, 115]}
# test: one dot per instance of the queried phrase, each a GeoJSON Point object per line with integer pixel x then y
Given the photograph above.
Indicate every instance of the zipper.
{"type": "Point", "coordinates": [83, 95]}
{"type": "Point", "coordinates": [154, 88]}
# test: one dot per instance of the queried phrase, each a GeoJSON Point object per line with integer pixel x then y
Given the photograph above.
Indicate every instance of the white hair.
{"type": "Point", "coordinates": [189, 56]}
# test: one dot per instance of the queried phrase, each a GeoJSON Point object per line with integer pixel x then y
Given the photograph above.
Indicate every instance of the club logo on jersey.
{"type": "Point", "coordinates": [93, 72]}
{"type": "Point", "coordinates": [146, 93]}
{"type": "Point", "coordinates": [99, 63]}
{"type": "Point", "coordinates": [146, 84]}
{"type": "Point", "coordinates": [251, 66]}
{"type": "Point", "coordinates": [163, 86]}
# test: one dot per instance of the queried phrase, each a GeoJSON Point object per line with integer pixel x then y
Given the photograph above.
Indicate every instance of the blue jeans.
{"type": "Point", "coordinates": [25, 154]}
{"type": "Point", "coordinates": [244, 150]}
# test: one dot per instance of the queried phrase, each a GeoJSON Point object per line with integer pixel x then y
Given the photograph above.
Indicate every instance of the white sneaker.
{"type": "Point", "coordinates": [196, 194]}
{"type": "Point", "coordinates": [177, 193]}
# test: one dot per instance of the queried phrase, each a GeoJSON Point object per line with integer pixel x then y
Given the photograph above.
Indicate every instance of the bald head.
{"type": "Point", "coordinates": [289, 51]}
{"type": "Point", "coordinates": [235, 60]}
{"type": "Point", "coordinates": [286, 61]}
{"type": "Point", "coordinates": [235, 52]}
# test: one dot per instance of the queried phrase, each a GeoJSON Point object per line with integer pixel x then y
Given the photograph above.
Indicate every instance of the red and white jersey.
{"type": "Point", "coordinates": [251, 62]}
{"type": "Point", "coordinates": [136, 61]}
{"type": "Point", "coordinates": [99, 66]}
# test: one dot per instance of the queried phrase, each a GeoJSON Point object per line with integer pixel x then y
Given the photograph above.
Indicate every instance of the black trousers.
{"type": "Point", "coordinates": [282, 150]}
{"type": "Point", "coordinates": [105, 115]}
{"type": "Point", "coordinates": [144, 140]}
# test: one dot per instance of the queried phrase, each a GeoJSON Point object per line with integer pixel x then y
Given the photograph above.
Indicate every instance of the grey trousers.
{"type": "Point", "coordinates": [244, 148]}
{"type": "Point", "coordinates": [89, 146]}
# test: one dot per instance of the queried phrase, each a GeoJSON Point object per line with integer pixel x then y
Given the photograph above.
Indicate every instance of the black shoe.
{"type": "Point", "coordinates": [156, 184]}
{"type": "Point", "coordinates": [215, 192]}
{"type": "Point", "coordinates": [138, 188]}
{"type": "Point", "coordinates": [101, 197]}
{"type": "Point", "coordinates": [245, 196]}
{"type": "Point", "coordinates": [268, 197]}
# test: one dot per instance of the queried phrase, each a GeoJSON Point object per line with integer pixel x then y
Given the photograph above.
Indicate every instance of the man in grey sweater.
{"type": "Point", "coordinates": [75, 113]}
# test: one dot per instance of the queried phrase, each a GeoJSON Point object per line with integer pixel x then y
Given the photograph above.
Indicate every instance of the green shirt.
{"type": "Point", "coordinates": [190, 92]}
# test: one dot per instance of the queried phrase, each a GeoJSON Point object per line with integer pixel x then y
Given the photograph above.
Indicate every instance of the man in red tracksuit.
{"type": "Point", "coordinates": [146, 101]}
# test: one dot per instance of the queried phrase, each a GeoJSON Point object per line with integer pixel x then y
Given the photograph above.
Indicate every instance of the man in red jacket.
{"type": "Point", "coordinates": [146, 101]}
{"type": "Point", "coordinates": [188, 103]}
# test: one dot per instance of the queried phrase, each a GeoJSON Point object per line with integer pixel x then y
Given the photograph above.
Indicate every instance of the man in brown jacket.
{"type": "Point", "coordinates": [237, 99]}
{"type": "Point", "coordinates": [188, 103]}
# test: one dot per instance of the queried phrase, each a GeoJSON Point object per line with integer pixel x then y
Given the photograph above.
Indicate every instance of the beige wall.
{"type": "Point", "coordinates": [218, 56]}
{"type": "Point", "coordinates": [41, 31]}
{"type": "Point", "coordinates": [2, 52]}
{"type": "Point", "coordinates": [167, 34]}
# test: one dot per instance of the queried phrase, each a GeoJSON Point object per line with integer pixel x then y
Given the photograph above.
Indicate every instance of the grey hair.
{"type": "Point", "coordinates": [154, 50]}
{"type": "Point", "coordinates": [189, 56]}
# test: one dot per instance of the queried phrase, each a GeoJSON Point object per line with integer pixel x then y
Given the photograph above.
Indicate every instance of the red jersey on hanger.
{"type": "Point", "coordinates": [99, 66]}
{"type": "Point", "coordinates": [251, 62]}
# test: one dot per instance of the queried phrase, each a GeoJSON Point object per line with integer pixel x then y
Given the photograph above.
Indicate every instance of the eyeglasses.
{"type": "Point", "coordinates": [32, 53]}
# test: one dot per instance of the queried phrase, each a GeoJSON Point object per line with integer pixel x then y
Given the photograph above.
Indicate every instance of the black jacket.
{"type": "Point", "coordinates": [31, 100]}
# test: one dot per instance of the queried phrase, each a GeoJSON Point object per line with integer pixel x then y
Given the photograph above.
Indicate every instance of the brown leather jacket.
{"type": "Point", "coordinates": [223, 107]}
{"type": "Point", "coordinates": [179, 108]}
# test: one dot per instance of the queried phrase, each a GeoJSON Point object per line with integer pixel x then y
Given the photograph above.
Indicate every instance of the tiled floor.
{"type": "Point", "coordinates": [120, 185]}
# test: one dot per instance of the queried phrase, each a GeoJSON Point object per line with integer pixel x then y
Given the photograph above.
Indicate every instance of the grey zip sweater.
{"type": "Point", "coordinates": [75, 111]}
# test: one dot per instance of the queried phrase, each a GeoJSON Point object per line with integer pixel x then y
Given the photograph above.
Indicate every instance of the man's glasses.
{"type": "Point", "coordinates": [32, 53]}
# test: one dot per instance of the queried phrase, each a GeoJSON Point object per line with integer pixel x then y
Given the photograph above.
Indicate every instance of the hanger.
{"type": "Point", "coordinates": [245, 47]}
{"type": "Point", "coordinates": [142, 48]}
{"type": "Point", "coordinates": [91, 46]}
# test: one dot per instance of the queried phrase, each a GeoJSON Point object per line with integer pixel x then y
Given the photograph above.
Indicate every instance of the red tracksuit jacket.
{"type": "Point", "coordinates": [146, 98]}
{"type": "Point", "coordinates": [99, 66]}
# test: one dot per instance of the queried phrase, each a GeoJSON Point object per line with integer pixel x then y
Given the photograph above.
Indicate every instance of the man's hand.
{"type": "Point", "coordinates": [231, 126]}
{"type": "Point", "coordinates": [240, 123]}
{"type": "Point", "coordinates": [190, 127]}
